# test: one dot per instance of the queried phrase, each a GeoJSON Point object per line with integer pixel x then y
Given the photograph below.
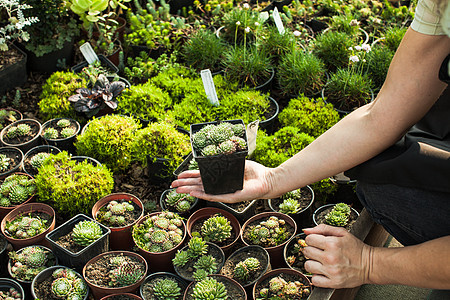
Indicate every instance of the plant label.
{"type": "Point", "coordinates": [277, 19]}
{"type": "Point", "coordinates": [252, 130]}
{"type": "Point", "coordinates": [88, 53]}
{"type": "Point", "coordinates": [263, 17]}
{"type": "Point", "coordinates": [210, 89]}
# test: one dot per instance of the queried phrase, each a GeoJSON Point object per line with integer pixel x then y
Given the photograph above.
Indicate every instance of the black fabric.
{"type": "Point", "coordinates": [444, 71]}
{"type": "Point", "coordinates": [421, 159]}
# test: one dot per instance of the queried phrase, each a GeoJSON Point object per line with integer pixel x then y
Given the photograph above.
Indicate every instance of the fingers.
{"type": "Point", "coordinates": [326, 230]}
{"type": "Point", "coordinates": [190, 173]}
{"type": "Point", "coordinates": [321, 281]}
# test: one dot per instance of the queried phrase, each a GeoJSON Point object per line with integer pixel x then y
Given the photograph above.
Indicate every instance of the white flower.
{"type": "Point", "coordinates": [354, 22]}
{"type": "Point", "coordinates": [354, 58]}
{"type": "Point", "coordinates": [256, 24]}
{"type": "Point", "coordinates": [358, 48]}
{"type": "Point", "coordinates": [246, 6]}
{"type": "Point", "coordinates": [247, 29]}
{"type": "Point", "coordinates": [297, 33]}
{"type": "Point", "coordinates": [366, 47]}
{"type": "Point", "coordinates": [364, 60]}
{"type": "Point", "coordinates": [238, 23]}
{"type": "Point", "coordinates": [350, 48]}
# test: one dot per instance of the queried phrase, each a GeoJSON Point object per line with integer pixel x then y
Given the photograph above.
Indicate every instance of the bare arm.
{"type": "Point", "coordinates": [338, 260]}
{"type": "Point", "coordinates": [412, 86]}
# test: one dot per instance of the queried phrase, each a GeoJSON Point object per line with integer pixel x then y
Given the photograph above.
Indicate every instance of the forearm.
{"type": "Point", "coordinates": [425, 265]}
{"type": "Point", "coordinates": [411, 88]}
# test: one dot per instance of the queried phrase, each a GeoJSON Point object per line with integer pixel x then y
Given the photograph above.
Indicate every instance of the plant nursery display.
{"type": "Point", "coordinates": [59, 282]}
{"type": "Point", "coordinates": [177, 202]}
{"type": "Point", "coordinates": [26, 263]}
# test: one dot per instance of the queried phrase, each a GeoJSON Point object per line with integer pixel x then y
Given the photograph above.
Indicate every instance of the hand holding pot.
{"type": "Point", "coordinates": [256, 185]}
{"type": "Point", "coordinates": [337, 259]}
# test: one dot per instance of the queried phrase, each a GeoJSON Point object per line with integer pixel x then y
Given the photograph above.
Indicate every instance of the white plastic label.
{"type": "Point", "coordinates": [263, 16]}
{"type": "Point", "coordinates": [210, 89]}
{"type": "Point", "coordinates": [88, 53]}
{"type": "Point", "coordinates": [277, 19]}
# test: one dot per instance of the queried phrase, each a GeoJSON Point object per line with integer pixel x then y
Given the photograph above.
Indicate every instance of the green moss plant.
{"type": "Point", "coordinates": [71, 187]}
{"type": "Point", "coordinates": [109, 139]}
{"type": "Point", "coordinates": [333, 49]}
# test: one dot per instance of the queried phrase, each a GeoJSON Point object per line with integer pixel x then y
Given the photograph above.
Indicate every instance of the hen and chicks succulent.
{"type": "Point", "coordinates": [291, 204]}
{"type": "Point", "coordinates": [339, 216]}
{"type": "Point", "coordinates": [166, 289]}
{"type": "Point", "coordinates": [68, 285]}
{"type": "Point", "coordinates": [268, 233]}
{"type": "Point", "coordinates": [15, 189]}
{"type": "Point", "coordinates": [297, 256]}
{"type": "Point", "coordinates": [20, 130]}
{"type": "Point", "coordinates": [209, 288]}
{"type": "Point", "coordinates": [85, 233]}
{"type": "Point", "coordinates": [216, 229]}
{"type": "Point", "coordinates": [37, 160]}
{"type": "Point", "coordinates": [244, 268]}
{"type": "Point", "coordinates": [224, 138]}
{"type": "Point", "coordinates": [31, 260]}
{"type": "Point", "coordinates": [4, 162]}
{"type": "Point", "coordinates": [62, 130]}
{"type": "Point", "coordinates": [11, 294]}
{"type": "Point", "coordinates": [126, 271]}
{"type": "Point", "coordinates": [281, 289]}
{"type": "Point", "coordinates": [179, 201]}
{"type": "Point", "coordinates": [160, 232]}
{"type": "Point", "coordinates": [24, 226]}
{"type": "Point", "coordinates": [114, 214]}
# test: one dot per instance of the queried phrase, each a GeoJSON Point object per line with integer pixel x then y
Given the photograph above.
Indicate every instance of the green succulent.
{"type": "Point", "coordinates": [61, 287]}
{"type": "Point", "coordinates": [126, 274]}
{"type": "Point", "coordinates": [339, 216]}
{"type": "Point", "coordinates": [268, 233]}
{"type": "Point", "coordinates": [85, 233]}
{"type": "Point", "coordinates": [243, 268]}
{"type": "Point", "coordinates": [207, 263]}
{"type": "Point", "coordinates": [23, 226]}
{"type": "Point", "coordinates": [193, 165]}
{"type": "Point", "coordinates": [17, 188]}
{"type": "Point", "coordinates": [12, 132]}
{"type": "Point", "coordinates": [289, 206]}
{"type": "Point", "coordinates": [209, 288]}
{"type": "Point", "coordinates": [227, 147]}
{"type": "Point", "coordinates": [281, 289]}
{"type": "Point", "coordinates": [180, 201]}
{"type": "Point", "coordinates": [79, 287]}
{"type": "Point", "coordinates": [181, 258]}
{"type": "Point", "coordinates": [216, 229]}
{"type": "Point", "coordinates": [28, 262]}
{"type": "Point", "coordinates": [210, 150]}
{"type": "Point", "coordinates": [38, 159]}
{"type": "Point", "coordinates": [23, 129]}
{"type": "Point", "coordinates": [63, 123]}
{"type": "Point", "coordinates": [166, 289]}
{"type": "Point", "coordinates": [50, 133]}
{"type": "Point", "coordinates": [67, 132]}
{"type": "Point", "coordinates": [4, 161]}
{"type": "Point", "coordinates": [342, 207]}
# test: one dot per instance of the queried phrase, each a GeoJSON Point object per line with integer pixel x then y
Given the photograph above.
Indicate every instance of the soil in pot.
{"type": "Point", "coordinates": [234, 290]}
{"type": "Point", "coordinates": [244, 259]}
{"type": "Point", "coordinates": [105, 271]}
{"type": "Point", "coordinates": [118, 213]}
{"type": "Point", "coordinates": [156, 281]}
{"type": "Point", "coordinates": [11, 159]}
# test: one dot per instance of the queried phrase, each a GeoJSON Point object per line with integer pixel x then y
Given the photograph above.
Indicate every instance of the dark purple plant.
{"type": "Point", "coordinates": [90, 101]}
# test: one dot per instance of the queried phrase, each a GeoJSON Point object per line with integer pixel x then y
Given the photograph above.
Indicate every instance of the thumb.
{"type": "Point", "coordinates": [326, 230]}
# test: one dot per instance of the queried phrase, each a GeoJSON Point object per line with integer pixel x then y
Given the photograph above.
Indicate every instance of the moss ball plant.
{"type": "Point", "coordinates": [72, 187]}
{"type": "Point", "coordinates": [58, 87]}
{"type": "Point", "coordinates": [108, 139]}
{"type": "Point", "coordinates": [160, 140]}
{"type": "Point", "coordinates": [311, 116]}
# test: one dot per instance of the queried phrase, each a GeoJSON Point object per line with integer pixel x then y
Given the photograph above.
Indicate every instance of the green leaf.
{"type": "Point", "coordinates": [92, 19]}
{"type": "Point", "coordinates": [100, 5]}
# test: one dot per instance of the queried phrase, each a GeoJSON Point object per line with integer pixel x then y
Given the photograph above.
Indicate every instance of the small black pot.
{"type": "Point", "coordinates": [66, 144]}
{"type": "Point", "coordinates": [181, 282]}
{"type": "Point", "coordinates": [79, 259]}
{"type": "Point", "coordinates": [268, 124]}
{"type": "Point", "coordinates": [6, 284]}
{"type": "Point", "coordinates": [32, 152]}
{"type": "Point", "coordinates": [221, 174]}
{"type": "Point", "coordinates": [47, 63]}
{"type": "Point", "coordinates": [3, 255]}
{"type": "Point", "coordinates": [14, 75]}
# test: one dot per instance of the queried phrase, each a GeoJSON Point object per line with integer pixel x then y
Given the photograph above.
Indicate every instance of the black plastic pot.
{"type": "Point", "coordinates": [105, 62]}
{"type": "Point", "coordinates": [14, 75]}
{"type": "Point", "coordinates": [341, 112]}
{"type": "Point", "coordinates": [3, 255]}
{"type": "Point", "coordinates": [66, 144]}
{"type": "Point", "coordinates": [266, 86]}
{"type": "Point", "coordinates": [242, 215]}
{"type": "Point", "coordinates": [158, 169]}
{"type": "Point", "coordinates": [221, 174]}
{"type": "Point", "coordinates": [47, 63]}
{"type": "Point", "coordinates": [316, 25]}
{"type": "Point", "coordinates": [303, 217]}
{"type": "Point", "coordinates": [181, 282]}
{"type": "Point", "coordinates": [184, 165]}
{"type": "Point", "coordinates": [25, 146]}
{"type": "Point", "coordinates": [6, 284]}
{"type": "Point", "coordinates": [34, 151]}
{"type": "Point", "coordinates": [79, 259]}
{"type": "Point", "coordinates": [268, 124]}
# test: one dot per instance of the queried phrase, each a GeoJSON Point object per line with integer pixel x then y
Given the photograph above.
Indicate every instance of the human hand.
{"type": "Point", "coordinates": [256, 185]}
{"type": "Point", "coordinates": [337, 259]}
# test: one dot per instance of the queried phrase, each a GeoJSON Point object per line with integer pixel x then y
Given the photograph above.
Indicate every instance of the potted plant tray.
{"type": "Point", "coordinates": [119, 212]}
{"type": "Point", "coordinates": [76, 256]}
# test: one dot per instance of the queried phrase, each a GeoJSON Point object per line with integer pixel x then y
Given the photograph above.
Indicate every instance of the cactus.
{"type": "Point", "coordinates": [62, 123]}
{"type": "Point", "coordinates": [38, 159]}
{"type": "Point", "coordinates": [67, 132]}
{"type": "Point", "coordinates": [209, 288]}
{"type": "Point", "coordinates": [269, 233]}
{"type": "Point", "coordinates": [159, 233]}
{"type": "Point", "coordinates": [126, 274]}
{"type": "Point", "coordinates": [166, 289]}
{"type": "Point", "coordinates": [216, 229]}
{"type": "Point", "coordinates": [50, 133]}
{"type": "Point", "coordinates": [339, 216]}
{"type": "Point", "coordinates": [4, 161]}
{"type": "Point", "coordinates": [181, 202]}
{"type": "Point", "coordinates": [243, 269]}
{"type": "Point", "coordinates": [85, 233]}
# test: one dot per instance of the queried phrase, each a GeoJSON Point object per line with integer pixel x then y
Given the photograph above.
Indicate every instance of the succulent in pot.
{"type": "Point", "coordinates": [26, 263]}
{"type": "Point", "coordinates": [34, 159]}
{"type": "Point", "coordinates": [12, 289]}
{"type": "Point", "coordinates": [282, 284]}
{"type": "Point", "coordinates": [162, 286]}
{"type": "Point", "coordinates": [103, 94]}
{"type": "Point", "coordinates": [23, 134]}
{"type": "Point", "coordinates": [10, 160]}
{"type": "Point", "coordinates": [339, 215]}
{"type": "Point", "coordinates": [61, 133]}
{"type": "Point", "coordinates": [16, 189]}
{"type": "Point", "coordinates": [8, 116]}
{"type": "Point", "coordinates": [293, 253]}
{"type": "Point", "coordinates": [215, 286]}
{"type": "Point", "coordinates": [177, 202]}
